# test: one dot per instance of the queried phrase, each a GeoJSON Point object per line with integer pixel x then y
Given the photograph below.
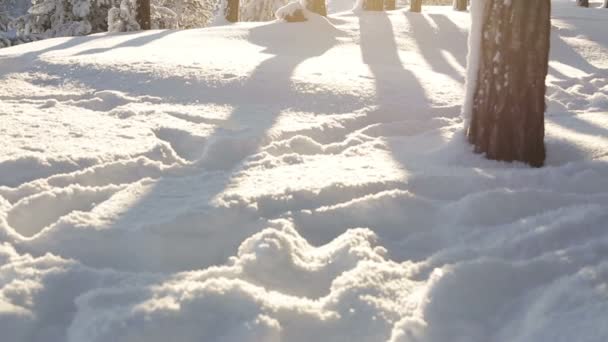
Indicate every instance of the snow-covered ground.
{"type": "Point", "coordinates": [296, 182]}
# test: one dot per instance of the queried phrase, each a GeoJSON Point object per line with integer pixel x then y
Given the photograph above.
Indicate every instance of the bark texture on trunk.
{"type": "Point", "coordinates": [416, 6]}
{"type": "Point", "coordinates": [317, 6]}
{"type": "Point", "coordinates": [460, 5]}
{"type": "Point", "coordinates": [232, 11]}
{"type": "Point", "coordinates": [143, 14]}
{"type": "Point", "coordinates": [373, 5]}
{"type": "Point", "coordinates": [582, 3]}
{"type": "Point", "coordinates": [507, 119]}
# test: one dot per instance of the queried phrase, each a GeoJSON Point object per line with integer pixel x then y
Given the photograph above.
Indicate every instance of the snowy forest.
{"type": "Point", "coordinates": [303, 170]}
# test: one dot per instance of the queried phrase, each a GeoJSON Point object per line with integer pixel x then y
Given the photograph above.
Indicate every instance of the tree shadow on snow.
{"type": "Point", "coordinates": [206, 233]}
{"type": "Point", "coordinates": [431, 41]}
{"type": "Point", "coordinates": [143, 38]}
{"type": "Point", "coordinates": [402, 109]}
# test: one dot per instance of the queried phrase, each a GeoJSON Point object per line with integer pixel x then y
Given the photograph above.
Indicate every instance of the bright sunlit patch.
{"type": "Point", "coordinates": [567, 70]}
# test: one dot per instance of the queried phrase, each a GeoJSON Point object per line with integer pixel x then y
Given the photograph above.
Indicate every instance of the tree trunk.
{"type": "Point", "coordinates": [389, 5]}
{"type": "Point", "coordinates": [460, 5]}
{"type": "Point", "coordinates": [416, 6]}
{"type": "Point", "coordinates": [143, 14]}
{"type": "Point", "coordinates": [232, 11]}
{"type": "Point", "coordinates": [317, 6]}
{"type": "Point", "coordinates": [508, 104]}
{"type": "Point", "coordinates": [605, 5]}
{"type": "Point", "coordinates": [373, 5]}
{"type": "Point", "coordinates": [582, 3]}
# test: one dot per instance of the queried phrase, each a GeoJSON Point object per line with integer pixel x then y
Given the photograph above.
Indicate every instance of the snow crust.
{"type": "Point", "coordinates": [296, 182]}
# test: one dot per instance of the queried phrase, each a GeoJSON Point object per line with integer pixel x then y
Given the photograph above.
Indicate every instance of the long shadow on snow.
{"type": "Point", "coordinates": [401, 100]}
{"type": "Point", "coordinates": [205, 233]}
{"type": "Point", "coordinates": [34, 56]}
{"type": "Point", "coordinates": [431, 42]}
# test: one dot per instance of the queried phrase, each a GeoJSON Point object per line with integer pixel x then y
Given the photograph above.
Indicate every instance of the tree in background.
{"type": "Point", "coordinates": [317, 6]}
{"type": "Point", "coordinates": [232, 11]}
{"type": "Point", "coordinates": [582, 3]}
{"type": "Point", "coordinates": [605, 5]}
{"type": "Point", "coordinates": [373, 5]}
{"type": "Point", "coordinates": [416, 6]}
{"type": "Point", "coordinates": [53, 18]}
{"type": "Point", "coordinates": [143, 14]}
{"type": "Point", "coordinates": [460, 5]}
{"type": "Point", "coordinates": [189, 13]}
{"type": "Point", "coordinates": [508, 64]}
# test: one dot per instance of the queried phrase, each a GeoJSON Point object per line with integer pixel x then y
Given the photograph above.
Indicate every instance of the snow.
{"type": "Point", "coordinates": [473, 57]}
{"type": "Point", "coordinates": [296, 182]}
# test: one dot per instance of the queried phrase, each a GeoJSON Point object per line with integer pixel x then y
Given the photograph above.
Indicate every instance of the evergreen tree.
{"type": "Point", "coordinates": [460, 5]}
{"type": "Point", "coordinates": [317, 6]}
{"type": "Point", "coordinates": [143, 14]}
{"type": "Point", "coordinates": [373, 5]}
{"type": "Point", "coordinates": [232, 11]}
{"type": "Point", "coordinates": [416, 6]}
{"type": "Point", "coordinates": [389, 5]}
{"type": "Point", "coordinates": [509, 63]}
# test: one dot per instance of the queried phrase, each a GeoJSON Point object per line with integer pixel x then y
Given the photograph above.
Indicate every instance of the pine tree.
{"type": "Point", "coordinates": [317, 6]}
{"type": "Point", "coordinates": [232, 11]}
{"type": "Point", "coordinates": [143, 14]}
{"type": "Point", "coordinates": [507, 99]}
{"type": "Point", "coordinates": [416, 6]}
{"type": "Point", "coordinates": [460, 5]}
{"type": "Point", "coordinates": [389, 5]}
{"type": "Point", "coordinates": [373, 5]}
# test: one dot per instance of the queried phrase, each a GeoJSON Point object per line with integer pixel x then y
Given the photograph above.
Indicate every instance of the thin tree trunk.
{"type": "Point", "coordinates": [143, 14]}
{"type": "Point", "coordinates": [232, 11]}
{"type": "Point", "coordinates": [460, 5]}
{"type": "Point", "coordinates": [389, 5]}
{"type": "Point", "coordinates": [373, 5]}
{"type": "Point", "coordinates": [507, 115]}
{"type": "Point", "coordinates": [582, 3]}
{"type": "Point", "coordinates": [416, 6]}
{"type": "Point", "coordinates": [317, 6]}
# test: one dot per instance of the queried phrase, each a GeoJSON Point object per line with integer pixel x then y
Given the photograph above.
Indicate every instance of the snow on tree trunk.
{"type": "Point", "coordinates": [232, 11]}
{"type": "Point", "coordinates": [582, 3]}
{"type": "Point", "coordinates": [460, 5]}
{"type": "Point", "coordinates": [510, 58]}
{"type": "Point", "coordinates": [416, 6]}
{"type": "Point", "coordinates": [143, 14]}
{"type": "Point", "coordinates": [373, 5]}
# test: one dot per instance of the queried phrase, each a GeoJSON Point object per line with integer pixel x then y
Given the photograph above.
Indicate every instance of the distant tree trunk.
{"type": "Point", "coordinates": [317, 6]}
{"type": "Point", "coordinates": [389, 5]}
{"type": "Point", "coordinates": [416, 6]}
{"type": "Point", "coordinates": [143, 14]}
{"type": "Point", "coordinates": [582, 3]}
{"type": "Point", "coordinates": [605, 5]}
{"type": "Point", "coordinates": [460, 5]}
{"type": "Point", "coordinates": [373, 5]}
{"type": "Point", "coordinates": [232, 11]}
{"type": "Point", "coordinates": [508, 104]}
